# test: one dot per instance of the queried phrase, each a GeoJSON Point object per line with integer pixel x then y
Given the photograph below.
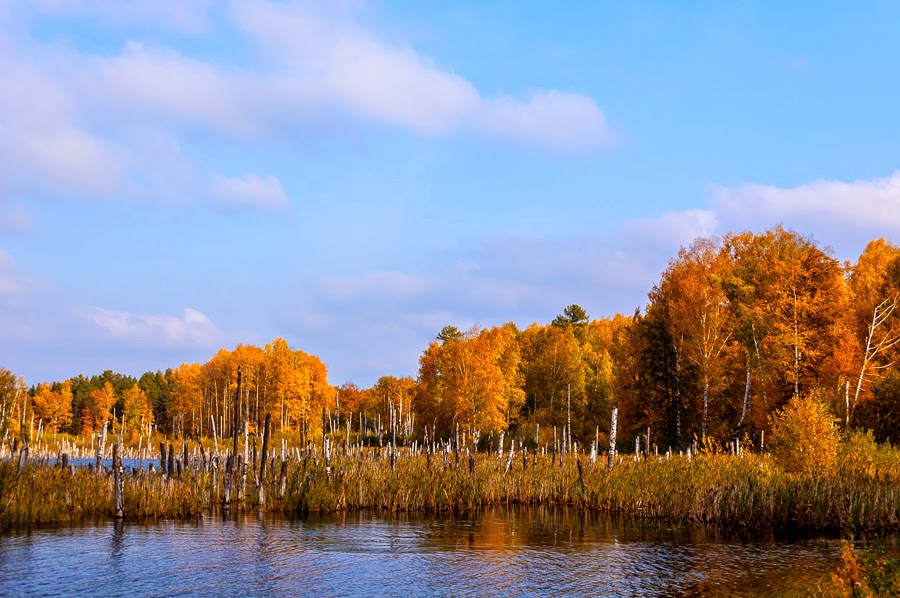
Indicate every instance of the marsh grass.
{"type": "Point", "coordinates": [753, 492]}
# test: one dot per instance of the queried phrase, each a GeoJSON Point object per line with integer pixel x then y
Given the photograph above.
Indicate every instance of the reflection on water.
{"type": "Point", "coordinates": [499, 552]}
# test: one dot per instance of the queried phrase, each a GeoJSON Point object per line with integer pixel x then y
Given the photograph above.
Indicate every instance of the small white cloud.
{"type": "Point", "coordinates": [871, 203]}
{"type": "Point", "coordinates": [194, 329]}
{"type": "Point", "coordinates": [554, 118]}
{"type": "Point", "coordinates": [672, 229]}
{"type": "Point", "coordinates": [249, 191]}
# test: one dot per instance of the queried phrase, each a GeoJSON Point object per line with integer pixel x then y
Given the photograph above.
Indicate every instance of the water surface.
{"type": "Point", "coordinates": [527, 551]}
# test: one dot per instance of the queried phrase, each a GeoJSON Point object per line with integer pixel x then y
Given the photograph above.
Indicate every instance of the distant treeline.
{"type": "Point", "coordinates": [734, 328]}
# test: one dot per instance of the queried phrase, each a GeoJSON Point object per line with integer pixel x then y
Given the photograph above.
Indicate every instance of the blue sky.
{"type": "Point", "coordinates": [177, 177]}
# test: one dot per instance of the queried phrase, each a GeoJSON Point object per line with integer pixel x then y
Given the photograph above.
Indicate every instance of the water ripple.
{"type": "Point", "coordinates": [498, 552]}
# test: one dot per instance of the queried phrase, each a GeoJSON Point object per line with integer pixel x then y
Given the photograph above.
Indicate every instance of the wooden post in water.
{"type": "Point", "coordinates": [23, 457]}
{"type": "Point", "coordinates": [227, 481]}
{"type": "Point", "coordinates": [236, 424]}
{"type": "Point", "coordinates": [162, 458]}
{"type": "Point", "coordinates": [118, 483]}
{"type": "Point", "coordinates": [282, 479]}
{"type": "Point", "coordinates": [583, 488]}
{"type": "Point", "coordinates": [102, 446]}
{"type": "Point", "coordinates": [610, 456]}
{"type": "Point", "coordinates": [212, 420]}
{"type": "Point", "coordinates": [170, 467]}
{"type": "Point", "coordinates": [261, 482]}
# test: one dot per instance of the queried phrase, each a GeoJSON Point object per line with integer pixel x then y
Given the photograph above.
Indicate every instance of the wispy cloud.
{"type": "Point", "coordinates": [329, 61]}
{"type": "Point", "coordinates": [871, 203]}
{"type": "Point", "coordinates": [193, 329]}
{"type": "Point", "coordinates": [520, 279]}
{"type": "Point", "coordinates": [249, 191]}
{"type": "Point", "coordinates": [79, 123]}
{"type": "Point", "coordinates": [845, 215]}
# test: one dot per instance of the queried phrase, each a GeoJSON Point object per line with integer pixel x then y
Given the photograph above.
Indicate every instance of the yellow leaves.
{"type": "Point", "coordinates": [474, 381]}
{"type": "Point", "coordinates": [188, 391]}
{"type": "Point", "coordinates": [299, 381]}
{"type": "Point", "coordinates": [136, 405]}
{"type": "Point", "coordinates": [103, 400]}
{"type": "Point", "coordinates": [804, 437]}
{"type": "Point", "coordinates": [53, 407]}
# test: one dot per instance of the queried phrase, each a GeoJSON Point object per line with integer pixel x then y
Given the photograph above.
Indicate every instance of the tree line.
{"type": "Point", "coordinates": [734, 328]}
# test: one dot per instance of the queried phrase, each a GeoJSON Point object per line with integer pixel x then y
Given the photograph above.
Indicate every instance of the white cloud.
{"type": "Point", "coordinates": [873, 204]}
{"type": "Point", "coordinates": [333, 62]}
{"type": "Point", "coordinates": [74, 123]}
{"type": "Point", "coordinates": [844, 215]}
{"type": "Point", "coordinates": [249, 191]}
{"type": "Point", "coordinates": [193, 329]}
{"type": "Point", "coordinates": [553, 118]}
{"type": "Point", "coordinates": [144, 85]}
{"type": "Point", "coordinates": [41, 144]}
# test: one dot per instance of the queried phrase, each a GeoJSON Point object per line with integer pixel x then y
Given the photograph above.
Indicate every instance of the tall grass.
{"type": "Point", "coordinates": [752, 491]}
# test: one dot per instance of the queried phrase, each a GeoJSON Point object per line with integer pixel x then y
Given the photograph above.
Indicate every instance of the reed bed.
{"type": "Point", "coordinates": [748, 491]}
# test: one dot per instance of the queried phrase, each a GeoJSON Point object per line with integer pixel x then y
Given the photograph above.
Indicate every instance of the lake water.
{"type": "Point", "coordinates": [527, 551]}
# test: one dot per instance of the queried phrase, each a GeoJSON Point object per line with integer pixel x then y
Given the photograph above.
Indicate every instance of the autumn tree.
{"type": "Point", "coordinates": [187, 397]}
{"type": "Point", "coordinates": [12, 402]}
{"type": "Point", "coordinates": [391, 390]}
{"type": "Point", "coordinates": [218, 376]}
{"type": "Point", "coordinates": [554, 372]}
{"type": "Point", "coordinates": [98, 408]}
{"type": "Point", "coordinates": [599, 340]}
{"type": "Point", "coordinates": [53, 407]}
{"type": "Point", "coordinates": [875, 318]}
{"type": "Point", "coordinates": [255, 401]}
{"type": "Point", "coordinates": [697, 311]}
{"type": "Point", "coordinates": [299, 384]}
{"type": "Point", "coordinates": [472, 380]}
{"type": "Point", "coordinates": [136, 407]}
{"type": "Point", "coordinates": [787, 295]}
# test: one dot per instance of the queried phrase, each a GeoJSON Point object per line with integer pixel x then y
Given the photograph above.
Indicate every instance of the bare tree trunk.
{"type": "Point", "coordinates": [746, 404]}
{"type": "Point", "coordinates": [118, 483]}
{"type": "Point", "coordinates": [261, 482]}
{"type": "Point", "coordinates": [612, 438]}
{"type": "Point", "coordinates": [236, 416]}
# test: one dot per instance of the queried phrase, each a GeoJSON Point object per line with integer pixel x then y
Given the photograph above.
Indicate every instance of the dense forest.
{"type": "Point", "coordinates": [733, 329]}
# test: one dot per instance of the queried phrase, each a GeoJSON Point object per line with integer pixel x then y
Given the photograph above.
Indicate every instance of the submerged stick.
{"type": "Point", "coordinates": [118, 483]}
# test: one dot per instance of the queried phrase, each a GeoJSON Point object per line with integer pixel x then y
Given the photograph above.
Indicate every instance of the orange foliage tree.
{"type": "Point", "coordinates": [97, 409]}
{"type": "Point", "coordinates": [473, 380]}
{"type": "Point", "coordinates": [874, 317]}
{"type": "Point", "coordinates": [54, 407]}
